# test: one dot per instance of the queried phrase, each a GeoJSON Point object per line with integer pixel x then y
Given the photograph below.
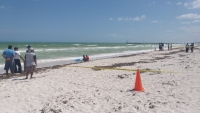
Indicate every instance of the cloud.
{"type": "Point", "coordinates": [2, 7]}
{"type": "Point", "coordinates": [196, 21]}
{"type": "Point", "coordinates": [120, 19]}
{"type": "Point", "coordinates": [186, 4]}
{"type": "Point", "coordinates": [139, 18]}
{"type": "Point", "coordinates": [179, 3]}
{"type": "Point", "coordinates": [185, 22]}
{"type": "Point", "coordinates": [168, 2]}
{"type": "Point", "coordinates": [188, 16]}
{"type": "Point", "coordinates": [132, 19]}
{"type": "Point", "coordinates": [111, 18]}
{"type": "Point", "coordinates": [193, 5]}
{"type": "Point", "coordinates": [155, 21]}
{"type": "Point", "coordinates": [152, 3]}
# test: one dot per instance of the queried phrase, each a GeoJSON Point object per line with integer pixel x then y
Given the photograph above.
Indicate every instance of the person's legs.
{"type": "Point", "coordinates": [12, 65]}
{"type": "Point", "coordinates": [31, 74]}
{"type": "Point", "coordinates": [6, 67]}
{"type": "Point", "coordinates": [32, 70]}
{"type": "Point", "coordinates": [27, 71]}
{"type": "Point", "coordinates": [15, 71]}
{"type": "Point", "coordinates": [20, 67]}
{"type": "Point", "coordinates": [18, 63]}
{"type": "Point", "coordinates": [6, 72]}
{"type": "Point", "coordinates": [27, 75]}
{"type": "Point", "coordinates": [12, 71]}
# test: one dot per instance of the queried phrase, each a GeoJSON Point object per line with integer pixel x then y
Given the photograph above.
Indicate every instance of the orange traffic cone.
{"type": "Point", "coordinates": [138, 82]}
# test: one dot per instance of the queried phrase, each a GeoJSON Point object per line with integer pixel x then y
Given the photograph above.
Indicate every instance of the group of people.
{"type": "Point", "coordinates": [191, 47]}
{"type": "Point", "coordinates": [86, 58]}
{"type": "Point", "coordinates": [12, 60]}
{"type": "Point", "coordinates": [161, 46]}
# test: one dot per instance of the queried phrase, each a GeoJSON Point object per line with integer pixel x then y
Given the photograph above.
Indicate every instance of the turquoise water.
{"type": "Point", "coordinates": [55, 51]}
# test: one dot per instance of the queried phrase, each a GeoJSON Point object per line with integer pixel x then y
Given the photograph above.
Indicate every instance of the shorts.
{"type": "Point", "coordinates": [30, 69]}
{"type": "Point", "coordinates": [9, 64]}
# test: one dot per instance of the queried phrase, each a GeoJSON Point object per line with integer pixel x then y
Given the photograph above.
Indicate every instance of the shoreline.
{"type": "Point", "coordinates": [59, 64]}
{"type": "Point", "coordinates": [170, 80]}
{"type": "Point", "coordinates": [68, 62]}
{"type": "Point", "coordinates": [42, 62]}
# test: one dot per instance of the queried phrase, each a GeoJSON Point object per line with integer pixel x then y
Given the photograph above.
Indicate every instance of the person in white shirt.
{"type": "Point", "coordinates": [17, 61]}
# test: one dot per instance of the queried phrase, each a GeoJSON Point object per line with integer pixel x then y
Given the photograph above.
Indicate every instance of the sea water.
{"type": "Point", "coordinates": [62, 51]}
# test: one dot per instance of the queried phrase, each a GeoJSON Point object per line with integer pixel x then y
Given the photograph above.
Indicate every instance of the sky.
{"type": "Point", "coordinates": [112, 21]}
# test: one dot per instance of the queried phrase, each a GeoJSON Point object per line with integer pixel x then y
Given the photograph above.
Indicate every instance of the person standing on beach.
{"type": "Point", "coordinates": [17, 61]}
{"type": "Point", "coordinates": [28, 47]}
{"type": "Point", "coordinates": [187, 48]}
{"type": "Point", "coordinates": [168, 46]}
{"type": "Point", "coordinates": [162, 46]}
{"type": "Point", "coordinates": [192, 47]}
{"type": "Point", "coordinates": [171, 46]}
{"type": "Point", "coordinates": [27, 51]}
{"type": "Point", "coordinates": [31, 62]}
{"type": "Point", "coordinates": [8, 55]}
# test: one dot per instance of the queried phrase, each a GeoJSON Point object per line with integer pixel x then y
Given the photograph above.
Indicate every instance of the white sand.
{"type": "Point", "coordinates": [83, 90]}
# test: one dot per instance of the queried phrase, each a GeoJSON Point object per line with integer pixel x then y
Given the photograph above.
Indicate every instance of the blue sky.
{"type": "Point", "coordinates": [100, 20]}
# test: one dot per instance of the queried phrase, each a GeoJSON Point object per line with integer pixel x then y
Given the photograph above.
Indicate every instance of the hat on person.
{"type": "Point", "coordinates": [28, 46]}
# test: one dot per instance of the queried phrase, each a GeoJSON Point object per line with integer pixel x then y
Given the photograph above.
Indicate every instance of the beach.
{"type": "Point", "coordinates": [59, 53]}
{"type": "Point", "coordinates": [170, 79]}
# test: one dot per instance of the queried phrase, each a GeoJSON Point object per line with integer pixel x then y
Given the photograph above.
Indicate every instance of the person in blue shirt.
{"type": "Point", "coordinates": [8, 55]}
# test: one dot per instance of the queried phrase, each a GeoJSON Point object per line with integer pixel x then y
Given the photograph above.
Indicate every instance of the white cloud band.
{"type": "Point", "coordinates": [188, 16]}
{"type": "Point", "coordinates": [132, 19]}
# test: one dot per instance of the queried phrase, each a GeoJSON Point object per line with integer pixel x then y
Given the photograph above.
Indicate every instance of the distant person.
{"type": "Point", "coordinates": [87, 58]}
{"type": "Point", "coordinates": [31, 62]}
{"type": "Point", "coordinates": [168, 46]}
{"type": "Point", "coordinates": [187, 48]}
{"type": "Point", "coordinates": [162, 46]}
{"type": "Point", "coordinates": [17, 61]}
{"type": "Point", "coordinates": [28, 47]}
{"type": "Point", "coordinates": [84, 59]}
{"type": "Point", "coordinates": [171, 46]}
{"type": "Point", "coordinates": [8, 55]}
{"type": "Point", "coordinates": [192, 47]}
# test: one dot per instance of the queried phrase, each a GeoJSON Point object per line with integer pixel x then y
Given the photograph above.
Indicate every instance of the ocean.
{"type": "Point", "coordinates": [63, 51]}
